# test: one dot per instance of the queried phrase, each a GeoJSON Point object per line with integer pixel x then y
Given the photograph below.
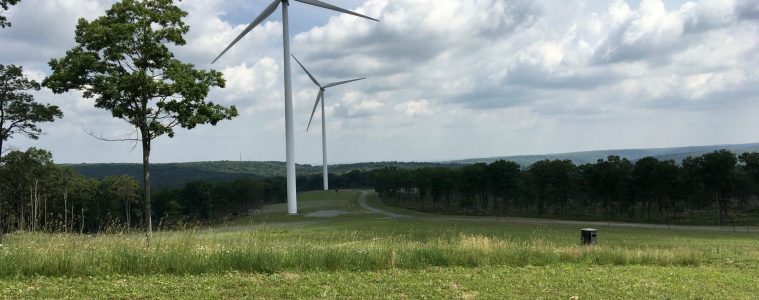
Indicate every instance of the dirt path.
{"type": "Point", "coordinates": [362, 202]}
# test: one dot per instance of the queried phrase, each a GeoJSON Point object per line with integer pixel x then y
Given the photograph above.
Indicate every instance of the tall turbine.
{"type": "Point", "coordinates": [292, 202]}
{"type": "Point", "coordinates": [320, 98]}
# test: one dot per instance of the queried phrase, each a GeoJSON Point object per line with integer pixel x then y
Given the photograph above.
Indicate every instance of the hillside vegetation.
{"type": "Point", "coordinates": [172, 175]}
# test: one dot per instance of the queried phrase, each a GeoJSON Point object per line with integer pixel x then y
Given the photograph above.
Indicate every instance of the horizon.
{"type": "Point", "coordinates": [459, 160]}
{"type": "Point", "coordinates": [542, 78]}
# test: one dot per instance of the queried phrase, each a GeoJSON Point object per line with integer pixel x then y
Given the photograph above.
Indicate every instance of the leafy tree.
{"type": "Point", "coordinates": [555, 182]}
{"type": "Point", "coordinates": [716, 172]}
{"type": "Point", "coordinates": [646, 182]}
{"type": "Point", "coordinates": [658, 181]}
{"type": "Point", "coordinates": [119, 192]}
{"type": "Point", "coordinates": [750, 166]}
{"type": "Point", "coordinates": [5, 4]}
{"type": "Point", "coordinates": [505, 181]}
{"type": "Point", "coordinates": [19, 113]}
{"type": "Point", "coordinates": [23, 174]}
{"type": "Point", "coordinates": [474, 184]}
{"type": "Point", "coordinates": [197, 196]}
{"type": "Point", "coordinates": [123, 61]}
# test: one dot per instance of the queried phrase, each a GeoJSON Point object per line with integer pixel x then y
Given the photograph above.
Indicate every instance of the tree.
{"type": "Point", "coordinates": [716, 172]}
{"type": "Point", "coordinates": [646, 183]}
{"type": "Point", "coordinates": [504, 182]}
{"type": "Point", "coordinates": [750, 166]}
{"type": "Point", "coordinates": [19, 113]}
{"type": "Point", "coordinates": [123, 61]}
{"type": "Point", "coordinates": [656, 180]}
{"type": "Point", "coordinates": [5, 4]}
{"type": "Point", "coordinates": [119, 192]}
{"type": "Point", "coordinates": [24, 175]}
{"type": "Point", "coordinates": [554, 182]}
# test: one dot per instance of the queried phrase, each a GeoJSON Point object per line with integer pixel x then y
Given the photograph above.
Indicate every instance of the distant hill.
{"type": "Point", "coordinates": [677, 154]}
{"type": "Point", "coordinates": [173, 175]}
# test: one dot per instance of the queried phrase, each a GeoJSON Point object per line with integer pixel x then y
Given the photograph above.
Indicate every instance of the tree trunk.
{"type": "Point", "coordinates": [146, 184]}
{"type": "Point", "coordinates": [2, 225]}
{"type": "Point", "coordinates": [719, 209]}
{"type": "Point", "coordinates": [127, 215]}
{"type": "Point", "coordinates": [81, 225]}
{"type": "Point", "coordinates": [65, 210]}
{"type": "Point", "coordinates": [21, 212]}
{"type": "Point", "coordinates": [45, 212]}
{"type": "Point", "coordinates": [2, 214]}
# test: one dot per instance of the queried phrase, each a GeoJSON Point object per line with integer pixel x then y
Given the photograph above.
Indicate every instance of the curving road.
{"type": "Point", "coordinates": [362, 202]}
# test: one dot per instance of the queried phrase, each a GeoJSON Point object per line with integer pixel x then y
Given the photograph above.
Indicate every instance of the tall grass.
{"type": "Point", "coordinates": [366, 245]}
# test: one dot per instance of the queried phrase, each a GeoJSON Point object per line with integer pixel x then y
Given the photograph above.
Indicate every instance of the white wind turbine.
{"type": "Point", "coordinates": [320, 98]}
{"type": "Point", "coordinates": [292, 202]}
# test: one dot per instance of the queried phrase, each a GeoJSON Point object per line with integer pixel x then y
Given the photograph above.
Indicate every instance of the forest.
{"type": "Point", "coordinates": [717, 188]}
{"type": "Point", "coordinates": [39, 196]}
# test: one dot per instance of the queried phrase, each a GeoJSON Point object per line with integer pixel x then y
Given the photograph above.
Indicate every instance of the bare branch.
{"type": "Point", "coordinates": [100, 136]}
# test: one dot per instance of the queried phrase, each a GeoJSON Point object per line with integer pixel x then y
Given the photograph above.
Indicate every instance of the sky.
{"type": "Point", "coordinates": [447, 79]}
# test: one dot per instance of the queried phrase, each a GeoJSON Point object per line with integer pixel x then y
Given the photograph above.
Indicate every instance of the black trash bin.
{"type": "Point", "coordinates": [588, 236]}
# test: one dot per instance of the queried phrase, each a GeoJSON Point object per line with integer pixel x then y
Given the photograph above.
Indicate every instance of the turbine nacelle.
{"type": "Point", "coordinates": [273, 7]}
{"type": "Point", "coordinates": [322, 89]}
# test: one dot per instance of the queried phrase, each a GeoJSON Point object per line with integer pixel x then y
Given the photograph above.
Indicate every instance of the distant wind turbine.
{"type": "Point", "coordinates": [320, 98]}
{"type": "Point", "coordinates": [292, 202]}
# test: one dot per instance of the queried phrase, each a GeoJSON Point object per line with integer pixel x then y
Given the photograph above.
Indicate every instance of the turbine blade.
{"type": "Point", "coordinates": [342, 82]}
{"type": "Point", "coordinates": [319, 97]}
{"type": "Point", "coordinates": [309, 73]}
{"type": "Point", "coordinates": [335, 8]}
{"type": "Point", "coordinates": [265, 14]}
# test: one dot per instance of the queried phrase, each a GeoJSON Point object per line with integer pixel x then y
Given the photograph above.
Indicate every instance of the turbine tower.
{"type": "Point", "coordinates": [320, 98]}
{"type": "Point", "coordinates": [292, 202]}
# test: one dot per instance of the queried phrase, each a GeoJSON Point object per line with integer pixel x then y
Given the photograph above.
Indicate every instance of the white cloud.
{"type": "Point", "coordinates": [415, 108]}
{"type": "Point", "coordinates": [446, 78]}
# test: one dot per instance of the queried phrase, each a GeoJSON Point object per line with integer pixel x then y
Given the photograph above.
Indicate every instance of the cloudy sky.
{"type": "Point", "coordinates": [448, 79]}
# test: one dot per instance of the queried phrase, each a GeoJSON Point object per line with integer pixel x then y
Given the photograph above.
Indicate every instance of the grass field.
{"type": "Point", "coordinates": [362, 254]}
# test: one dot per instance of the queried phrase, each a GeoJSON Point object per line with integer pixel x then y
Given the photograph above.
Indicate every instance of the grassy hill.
{"type": "Point", "coordinates": [677, 154]}
{"type": "Point", "coordinates": [171, 175]}
{"type": "Point", "coordinates": [360, 254]}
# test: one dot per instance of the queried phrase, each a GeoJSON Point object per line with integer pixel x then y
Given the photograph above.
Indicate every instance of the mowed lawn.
{"type": "Point", "coordinates": [359, 254]}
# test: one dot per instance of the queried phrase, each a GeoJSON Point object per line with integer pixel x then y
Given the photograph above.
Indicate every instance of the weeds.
{"type": "Point", "coordinates": [337, 247]}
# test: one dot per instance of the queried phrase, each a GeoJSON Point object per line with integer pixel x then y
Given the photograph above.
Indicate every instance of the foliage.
{"type": "Point", "coordinates": [39, 196]}
{"type": "Point", "coordinates": [5, 4]}
{"type": "Point", "coordinates": [124, 62]}
{"type": "Point", "coordinates": [175, 175]}
{"type": "Point", "coordinates": [203, 202]}
{"type": "Point", "coordinates": [649, 190]}
{"type": "Point", "coordinates": [19, 113]}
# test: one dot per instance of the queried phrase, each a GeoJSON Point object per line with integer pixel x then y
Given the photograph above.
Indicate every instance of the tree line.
{"type": "Point", "coordinates": [40, 196]}
{"type": "Point", "coordinates": [715, 188]}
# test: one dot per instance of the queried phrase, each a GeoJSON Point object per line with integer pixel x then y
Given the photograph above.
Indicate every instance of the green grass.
{"type": "Point", "coordinates": [554, 282]}
{"type": "Point", "coordinates": [363, 254]}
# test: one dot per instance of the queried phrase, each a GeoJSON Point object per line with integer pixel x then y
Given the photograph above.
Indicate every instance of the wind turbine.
{"type": "Point", "coordinates": [292, 202]}
{"type": "Point", "coordinates": [320, 98]}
